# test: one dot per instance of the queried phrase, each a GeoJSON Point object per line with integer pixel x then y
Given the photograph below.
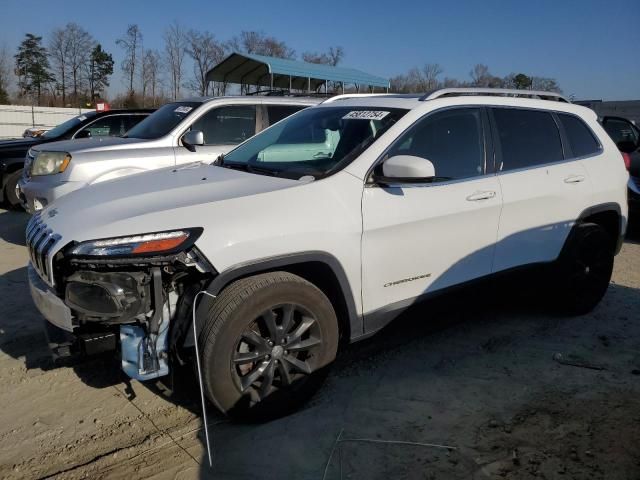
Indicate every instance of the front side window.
{"type": "Point", "coordinates": [452, 140]}
{"type": "Point", "coordinates": [68, 126]}
{"type": "Point", "coordinates": [163, 120]}
{"type": "Point", "coordinates": [111, 126]}
{"type": "Point", "coordinates": [315, 141]}
{"type": "Point", "coordinates": [227, 125]}
{"type": "Point", "coordinates": [581, 140]}
{"type": "Point", "coordinates": [528, 138]}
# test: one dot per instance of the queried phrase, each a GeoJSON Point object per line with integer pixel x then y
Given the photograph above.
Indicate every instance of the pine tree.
{"type": "Point", "coordinates": [32, 66]}
{"type": "Point", "coordinates": [100, 67]}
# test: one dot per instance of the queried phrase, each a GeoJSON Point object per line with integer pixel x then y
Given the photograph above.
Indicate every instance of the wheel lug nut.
{"type": "Point", "coordinates": [286, 352]}
{"type": "Point", "coordinates": [268, 357]}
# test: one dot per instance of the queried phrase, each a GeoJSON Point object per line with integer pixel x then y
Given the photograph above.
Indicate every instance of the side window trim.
{"type": "Point", "coordinates": [567, 153]}
{"type": "Point", "coordinates": [485, 144]}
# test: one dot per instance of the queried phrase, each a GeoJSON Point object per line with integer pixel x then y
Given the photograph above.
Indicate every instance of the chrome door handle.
{"type": "Point", "coordinates": [574, 179]}
{"type": "Point", "coordinates": [484, 195]}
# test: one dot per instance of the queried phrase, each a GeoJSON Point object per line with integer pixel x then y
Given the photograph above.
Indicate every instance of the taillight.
{"type": "Point", "coordinates": [627, 160]}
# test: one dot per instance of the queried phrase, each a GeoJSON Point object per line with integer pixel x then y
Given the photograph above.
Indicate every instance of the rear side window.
{"type": "Point", "coordinates": [581, 140]}
{"type": "Point", "coordinates": [227, 125]}
{"type": "Point", "coordinates": [452, 140]}
{"type": "Point", "coordinates": [278, 112]}
{"type": "Point", "coordinates": [527, 138]}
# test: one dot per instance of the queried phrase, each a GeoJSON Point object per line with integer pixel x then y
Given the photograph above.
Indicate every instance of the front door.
{"type": "Point", "coordinates": [223, 129]}
{"type": "Point", "coordinates": [419, 238]}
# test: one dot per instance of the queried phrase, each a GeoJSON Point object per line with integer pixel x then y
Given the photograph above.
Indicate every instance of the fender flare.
{"type": "Point", "coordinates": [236, 272]}
{"type": "Point", "coordinates": [595, 209]}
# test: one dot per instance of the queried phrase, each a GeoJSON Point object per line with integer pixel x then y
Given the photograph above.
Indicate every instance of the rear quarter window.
{"type": "Point", "coordinates": [581, 140]}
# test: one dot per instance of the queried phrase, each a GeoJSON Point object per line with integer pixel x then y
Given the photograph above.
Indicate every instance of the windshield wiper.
{"type": "Point", "coordinates": [218, 161]}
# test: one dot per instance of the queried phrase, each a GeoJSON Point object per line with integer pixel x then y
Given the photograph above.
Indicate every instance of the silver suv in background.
{"type": "Point", "coordinates": [198, 129]}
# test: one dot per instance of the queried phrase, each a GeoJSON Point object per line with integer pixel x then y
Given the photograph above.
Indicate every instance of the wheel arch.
{"type": "Point", "coordinates": [608, 216]}
{"type": "Point", "coordinates": [320, 268]}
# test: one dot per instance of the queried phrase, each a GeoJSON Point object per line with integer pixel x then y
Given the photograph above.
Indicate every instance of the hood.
{"type": "Point", "coordinates": [19, 143]}
{"type": "Point", "coordinates": [94, 144]}
{"type": "Point", "coordinates": [158, 200]}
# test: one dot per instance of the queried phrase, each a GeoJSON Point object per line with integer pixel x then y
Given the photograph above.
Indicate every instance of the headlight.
{"type": "Point", "coordinates": [48, 163]}
{"type": "Point", "coordinates": [146, 244]}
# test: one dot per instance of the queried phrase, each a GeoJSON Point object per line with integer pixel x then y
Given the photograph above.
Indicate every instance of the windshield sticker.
{"type": "Point", "coordinates": [183, 109]}
{"type": "Point", "coordinates": [365, 115]}
{"type": "Point", "coordinates": [82, 118]}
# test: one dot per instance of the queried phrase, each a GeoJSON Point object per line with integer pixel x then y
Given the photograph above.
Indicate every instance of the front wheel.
{"type": "Point", "coordinates": [266, 343]}
{"type": "Point", "coordinates": [584, 269]}
{"type": "Point", "coordinates": [10, 192]}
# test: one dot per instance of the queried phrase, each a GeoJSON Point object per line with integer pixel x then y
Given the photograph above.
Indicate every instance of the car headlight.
{"type": "Point", "coordinates": [145, 244]}
{"type": "Point", "coordinates": [48, 163]}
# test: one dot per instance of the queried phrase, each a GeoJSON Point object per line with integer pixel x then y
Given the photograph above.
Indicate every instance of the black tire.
{"type": "Point", "coordinates": [272, 384]}
{"type": "Point", "coordinates": [10, 196]}
{"type": "Point", "coordinates": [584, 269]}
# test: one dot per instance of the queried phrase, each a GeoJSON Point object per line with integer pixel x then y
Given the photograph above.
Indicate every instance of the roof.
{"type": "Point", "coordinates": [247, 68]}
{"type": "Point", "coordinates": [287, 100]}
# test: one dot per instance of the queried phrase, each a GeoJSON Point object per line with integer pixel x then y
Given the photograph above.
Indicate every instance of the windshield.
{"type": "Point", "coordinates": [315, 141]}
{"type": "Point", "coordinates": [68, 125]}
{"type": "Point", "coordinates": [163, 120]}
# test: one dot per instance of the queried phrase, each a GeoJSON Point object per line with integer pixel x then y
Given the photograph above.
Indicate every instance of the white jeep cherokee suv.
{"type": "Point", "coordinates": [305, 248]}
{"type": "Point", "coordinates": [177, 133]}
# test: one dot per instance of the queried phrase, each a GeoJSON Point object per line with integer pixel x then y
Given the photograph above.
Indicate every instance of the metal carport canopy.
{"type": "Point", "coordinates": [251, 69]}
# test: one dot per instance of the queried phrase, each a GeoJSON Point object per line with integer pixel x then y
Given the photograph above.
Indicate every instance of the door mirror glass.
{"type": "Point", "coordinates": [193, 138]}
{"type": "Point", "coordinates": [406, 168]}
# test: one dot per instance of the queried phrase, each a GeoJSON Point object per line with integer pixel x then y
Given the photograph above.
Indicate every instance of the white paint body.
{"type": "Point", "coordinates": [437, 235]}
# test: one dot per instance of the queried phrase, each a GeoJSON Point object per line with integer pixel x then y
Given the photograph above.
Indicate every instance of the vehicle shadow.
{"type": "Point", "coordinates": [13, 225]}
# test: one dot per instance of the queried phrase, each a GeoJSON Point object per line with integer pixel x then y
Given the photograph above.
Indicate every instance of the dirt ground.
{"type": "Point", "coordinates": [480, 385]}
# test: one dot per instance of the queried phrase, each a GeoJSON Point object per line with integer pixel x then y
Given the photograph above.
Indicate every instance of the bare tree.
{"type": "Point", "coordinates": [59, 53]}
{"type": "Point", "coordinates": [431, 72]}
{"type": "Point", "coordinates": [151, 64]}
{"type": "Point", "coordinates": [5, 73]}
{"type": "Point", "coordinates": [206, 52]}
{"type": "Point", "coordinates": [131, 44]}
{"type": "Point", "coordinates": [332, 57]}
{"type": "Point", "coordinates": [260, 44]}
{"type": "Point", "coordinates": [480, 75]}
{"type": "Point", "coordinates": [80, 44]}
{"type": "Point", "coordinates": [174, 45]}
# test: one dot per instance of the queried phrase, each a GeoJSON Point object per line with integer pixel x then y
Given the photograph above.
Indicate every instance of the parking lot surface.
{"type": "Point", "coordinates": [483, 384]}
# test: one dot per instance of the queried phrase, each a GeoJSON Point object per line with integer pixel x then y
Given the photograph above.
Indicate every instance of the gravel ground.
{"type": "Point", "coordinates": [466, 387]}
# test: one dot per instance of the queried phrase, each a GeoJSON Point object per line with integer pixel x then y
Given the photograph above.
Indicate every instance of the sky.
{"type": "Point", "coordinates": [591, 46]}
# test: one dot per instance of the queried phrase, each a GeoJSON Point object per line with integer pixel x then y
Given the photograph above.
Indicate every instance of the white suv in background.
{"type": "Point", "coordinates": [198, 129]}
{"type": "Point", "coordinates": [401, 198]}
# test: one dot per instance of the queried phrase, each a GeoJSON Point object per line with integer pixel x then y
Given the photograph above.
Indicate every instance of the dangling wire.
{"type": "Point", "coordinates": [204, 408]}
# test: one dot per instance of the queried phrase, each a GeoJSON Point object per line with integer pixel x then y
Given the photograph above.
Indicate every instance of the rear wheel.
{"type": "Point", "coordinates": [10, 194]}
{"type": "Point", "coordinates": [584, 269]}
{"type": "Point", "coordinates": [266, 344]}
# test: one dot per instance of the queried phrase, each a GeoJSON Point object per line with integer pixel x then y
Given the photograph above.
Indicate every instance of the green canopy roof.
{"type": "Point", "coordinates": [250, 69]}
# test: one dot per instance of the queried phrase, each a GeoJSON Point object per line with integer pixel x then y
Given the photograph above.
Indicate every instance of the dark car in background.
{"type": "Point", "coordinates": [626, 136]}
{"type": "Point", "coordinates": [112, 123]}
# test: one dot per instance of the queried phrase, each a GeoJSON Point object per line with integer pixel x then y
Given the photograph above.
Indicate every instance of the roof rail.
{"type": "Point", "coordinates": [507, 92]}
{"type": "Point", "coordinates": [353, 95]}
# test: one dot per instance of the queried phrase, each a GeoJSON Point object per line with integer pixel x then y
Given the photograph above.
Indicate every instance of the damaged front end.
{"type": "Point", "coordinates": [133, 294]}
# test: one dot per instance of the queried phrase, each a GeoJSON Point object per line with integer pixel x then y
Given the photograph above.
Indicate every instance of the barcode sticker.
{"type": "Point", "coordinates": [365, 115]}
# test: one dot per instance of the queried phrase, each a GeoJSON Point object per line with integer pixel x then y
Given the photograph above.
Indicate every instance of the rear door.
{"type": "Point", "coordinates": [544, 189]}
